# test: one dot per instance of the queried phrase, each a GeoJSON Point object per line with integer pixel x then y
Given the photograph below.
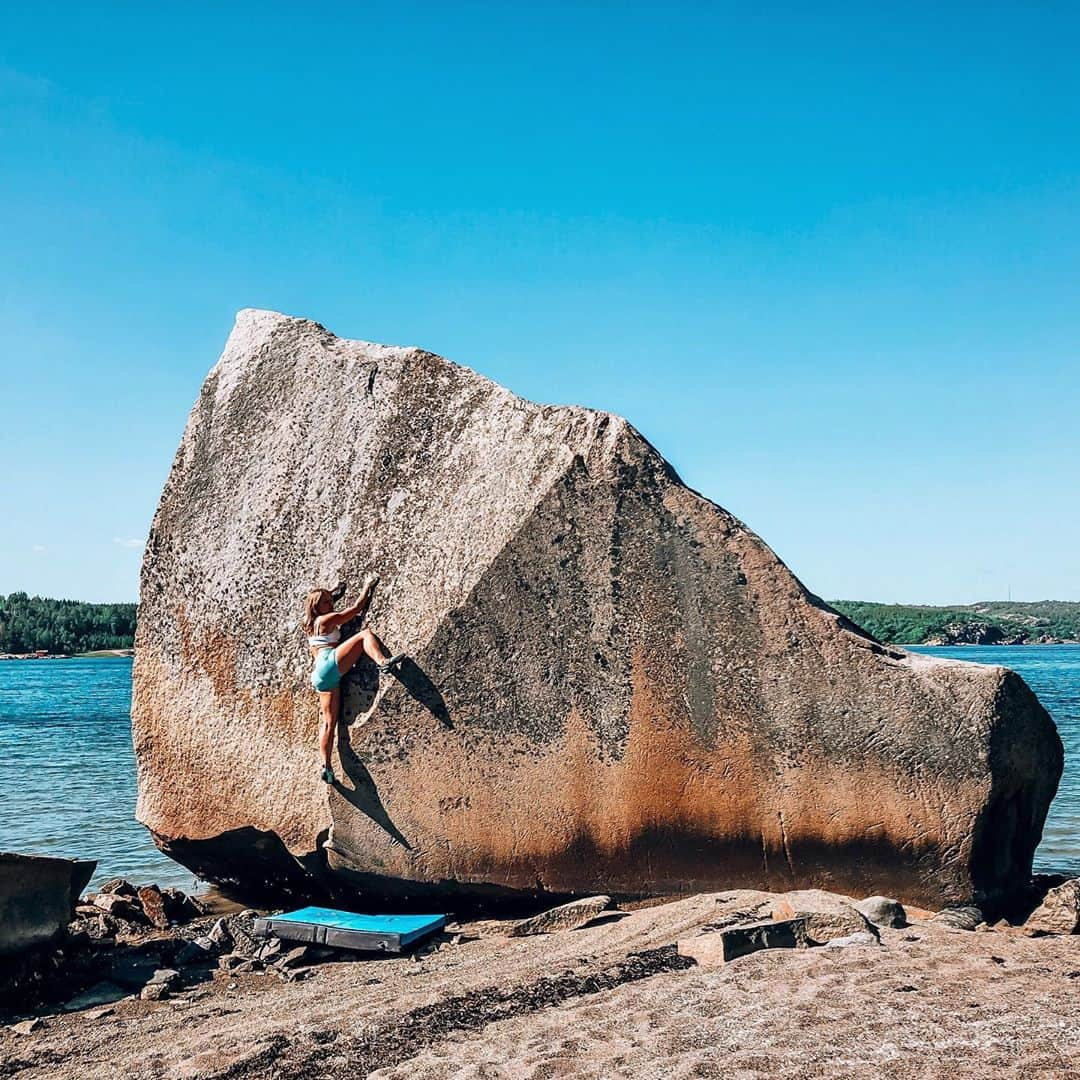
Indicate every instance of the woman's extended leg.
{"type": "Point", "coordinates": [329, 702]}
{"type": "Point", "coordinates": [361, 644]}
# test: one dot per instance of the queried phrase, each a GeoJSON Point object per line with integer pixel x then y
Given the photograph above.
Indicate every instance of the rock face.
{"type": "Point", "coordinates": [617, 687]}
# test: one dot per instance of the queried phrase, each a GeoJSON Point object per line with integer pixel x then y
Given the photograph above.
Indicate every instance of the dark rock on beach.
{"type": "Point", "coordinates": [614, 686]}
{"type": "Point", "coordinates": [38, 896]}
{"type": "Point", "coordinates": [154, 906]}
{"type": "Point", "coordinates": [716, 947]}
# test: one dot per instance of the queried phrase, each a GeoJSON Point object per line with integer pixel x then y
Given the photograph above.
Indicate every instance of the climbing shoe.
{"type": "Point", "coordinates": [327, 775]}
{"type": "Point", "coordinates": [388, 665]}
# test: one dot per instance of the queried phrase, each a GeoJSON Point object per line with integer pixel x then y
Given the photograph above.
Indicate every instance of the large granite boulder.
{"type": "Point", "coordinates": [617, 686]}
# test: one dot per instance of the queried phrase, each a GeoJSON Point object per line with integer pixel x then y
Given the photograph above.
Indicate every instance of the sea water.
{"type": "Point", "coordinates": [67, 771]}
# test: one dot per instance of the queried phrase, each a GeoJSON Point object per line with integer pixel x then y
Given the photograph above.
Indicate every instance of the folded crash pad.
{"type": "Point", "coordinates": [346, 930]}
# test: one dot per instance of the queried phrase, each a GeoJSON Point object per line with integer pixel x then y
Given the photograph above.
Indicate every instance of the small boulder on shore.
{"type": "Point", "coordinates": [118, 906]}
{"type": "Point", "coordinates": [717, 947]}
{"type": "Point", "coordinates": [958, 917]}
{"type": "Point", "coordinates": [1059, 913]}
{"type": "Point", "coordinates": [120, 887]}
{"type": "Point", "coordinates": [153, 905]}
{"type": "Point", "coordinates": [828, 916]}
{"type": "Point", "coordinates": [882, 911]}
{"type": "Point", "coordinates": [564, 917]}
{"type": "Point", "coordinates": [38, 896]}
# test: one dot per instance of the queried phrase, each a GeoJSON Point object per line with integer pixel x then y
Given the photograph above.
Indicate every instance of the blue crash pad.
{"type": "Point", "coordinates": [347, 930]}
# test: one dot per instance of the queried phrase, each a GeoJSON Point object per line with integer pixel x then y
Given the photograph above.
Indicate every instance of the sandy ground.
{"type": "Point", "coordinates": [610, 1000]}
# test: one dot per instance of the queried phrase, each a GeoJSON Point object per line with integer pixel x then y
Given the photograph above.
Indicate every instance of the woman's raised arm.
{"type": "Point", "coordinates": [331, 621]}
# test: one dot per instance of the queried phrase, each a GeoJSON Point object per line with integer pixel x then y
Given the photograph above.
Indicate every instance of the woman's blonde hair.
{"type": "Point", "coordinates": [311, 605]}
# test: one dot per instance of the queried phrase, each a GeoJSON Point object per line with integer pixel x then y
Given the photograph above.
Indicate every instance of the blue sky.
{"type": "Point", "coordinates": [826, 258]}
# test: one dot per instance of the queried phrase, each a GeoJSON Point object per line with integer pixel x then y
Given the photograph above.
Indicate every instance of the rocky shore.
{"type": "Point", "coordinates": [987, 633]}
{"type": "Point", "coordinates": [150, 983]}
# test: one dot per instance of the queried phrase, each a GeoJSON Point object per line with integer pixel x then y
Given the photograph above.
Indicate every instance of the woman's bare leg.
{"type": "Point", "coordinates": [364, 643]}
{"type": "Point", "coordinates": [329, 701]}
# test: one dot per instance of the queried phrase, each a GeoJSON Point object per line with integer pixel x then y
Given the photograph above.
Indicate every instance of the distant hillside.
{"type": "Point", "coordinates": [33, 623]}
{"type": "Point", "coordinates": [998, 622]}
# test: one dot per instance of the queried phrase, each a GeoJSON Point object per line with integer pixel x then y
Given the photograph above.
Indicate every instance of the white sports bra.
{"type": "Point", "coordinates": [318, 641]}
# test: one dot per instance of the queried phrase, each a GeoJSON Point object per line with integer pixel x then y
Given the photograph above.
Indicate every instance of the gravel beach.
{"type": "Point", "coordinates": [611, 999]}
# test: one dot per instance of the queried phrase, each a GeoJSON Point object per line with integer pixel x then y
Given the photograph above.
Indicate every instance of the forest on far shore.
{"type": "Point", "coordinates": [36, 624]}
{"type": "Point", "coordinates": [998, 622]}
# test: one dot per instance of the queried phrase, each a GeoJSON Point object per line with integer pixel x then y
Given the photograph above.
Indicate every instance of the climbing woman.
{"type": "Point", "coordinates": [333, 657]}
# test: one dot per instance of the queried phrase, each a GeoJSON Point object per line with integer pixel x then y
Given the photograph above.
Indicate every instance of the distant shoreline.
{"type": "Point", "coordinates": [976, 645]}
{"type": "Point", "coordinates": [992, 622]}
{"type": "Point", "coordinates": [96, 654]}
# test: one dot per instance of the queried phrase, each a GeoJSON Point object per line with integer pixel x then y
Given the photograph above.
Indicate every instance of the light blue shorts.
{"type": "Point", "coordinates": [325, 674]}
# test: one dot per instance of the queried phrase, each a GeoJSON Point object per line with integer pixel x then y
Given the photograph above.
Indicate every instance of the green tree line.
{"type": "Point", "coordinates": [33, 623]}
{"type": "Point", "coordinates": [992, 621]}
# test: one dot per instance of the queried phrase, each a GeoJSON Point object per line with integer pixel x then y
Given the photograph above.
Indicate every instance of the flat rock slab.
{"type": "Point", "coordinates": [718, 947]}
{"type": "Point", "coordinates": [860, 937]}
{"type": "Point", "coordinates": [119, 906]}
{"type": "Point", "coordinates": [827, 915]}
{"type": "Point", "coordinates": [964, 917]}
{"type": "Point", "coordinates": [564, 917]}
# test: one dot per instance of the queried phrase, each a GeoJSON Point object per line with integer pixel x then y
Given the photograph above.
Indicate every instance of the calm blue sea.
{"type": "Point", "coordinates": [67, 772]}
{"type": "Point", "coordinates": [67, 769]}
